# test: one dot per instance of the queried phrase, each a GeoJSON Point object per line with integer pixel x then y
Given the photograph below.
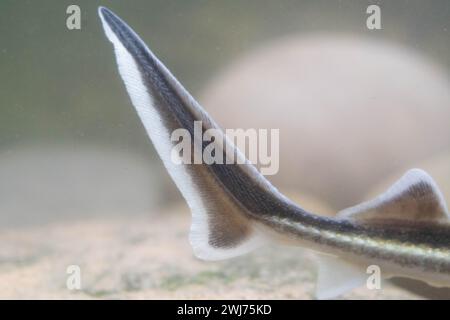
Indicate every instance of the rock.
{"type": "Point", "coordinates": [52, 183]}
{"type": "Point", "coordinates": [350, 110]}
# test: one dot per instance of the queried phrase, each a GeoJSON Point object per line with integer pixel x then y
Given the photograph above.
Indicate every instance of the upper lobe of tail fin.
{"type": "Point", "coordinates": [227, 201]}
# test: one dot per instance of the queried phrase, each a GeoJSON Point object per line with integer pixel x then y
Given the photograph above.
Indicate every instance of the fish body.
{"type": "Point", "coordinates": [405, 231]}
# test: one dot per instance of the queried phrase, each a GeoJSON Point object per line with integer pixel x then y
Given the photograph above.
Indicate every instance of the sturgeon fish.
{"type": "Point", "coordinates": [404, 231]}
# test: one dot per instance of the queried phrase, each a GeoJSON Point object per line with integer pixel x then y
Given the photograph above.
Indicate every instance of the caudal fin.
{"type": "Point", "coordinates": [227, 201]}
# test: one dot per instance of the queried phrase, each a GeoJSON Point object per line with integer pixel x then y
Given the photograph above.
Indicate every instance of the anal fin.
{"type": "Point", "coordinates": [337, 276]}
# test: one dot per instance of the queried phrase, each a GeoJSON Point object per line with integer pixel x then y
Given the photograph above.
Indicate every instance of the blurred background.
{"type": "Point", "coordinates": [355, 107]}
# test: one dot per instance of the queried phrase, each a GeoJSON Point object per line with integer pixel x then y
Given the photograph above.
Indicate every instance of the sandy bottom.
{"type": "Point", "coordinates": [150, 258]}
